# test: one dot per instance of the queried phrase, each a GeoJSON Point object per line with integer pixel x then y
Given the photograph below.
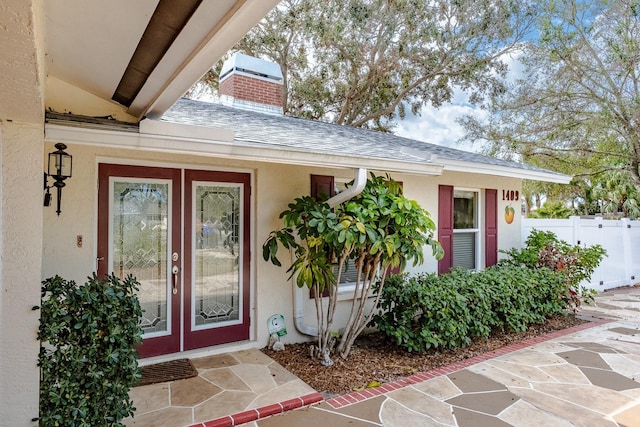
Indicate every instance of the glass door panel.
{"type": "Point", "coordinates": [217, 270]}
{"type": "Point", "coordinates": [217, 278]}
{"type": "Point", "coordinates": [139, 235]}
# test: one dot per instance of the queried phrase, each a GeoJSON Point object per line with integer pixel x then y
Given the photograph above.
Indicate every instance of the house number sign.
{"type": "Point", "coordinates": [511, 195]}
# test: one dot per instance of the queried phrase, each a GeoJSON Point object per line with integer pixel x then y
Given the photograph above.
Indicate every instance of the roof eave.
{"type": "Point", "coordinates": [226, 149]}
{"type": "Point", "coordinates": [512, 172]}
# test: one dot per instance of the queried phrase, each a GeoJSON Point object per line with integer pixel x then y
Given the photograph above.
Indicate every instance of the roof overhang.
{"type": "Point", "coordinates": [92, 43]}
{"type": "Point", "coordinates": [506, 171]}
{"type": "Point", "coordinates": [169, 141]}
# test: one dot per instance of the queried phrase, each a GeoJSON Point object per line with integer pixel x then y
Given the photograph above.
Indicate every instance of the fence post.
{"type": "Point", "coordinates": [575, 229]}
{"type": "Point", "coordinates": [626, 248]}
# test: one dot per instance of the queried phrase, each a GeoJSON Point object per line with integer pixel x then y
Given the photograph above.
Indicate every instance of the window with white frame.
{"type": "Point", "coordinates": [466, 229]}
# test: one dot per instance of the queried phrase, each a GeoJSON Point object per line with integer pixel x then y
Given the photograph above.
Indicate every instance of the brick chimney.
{"type": "Point", "coordinates": [250, 83]}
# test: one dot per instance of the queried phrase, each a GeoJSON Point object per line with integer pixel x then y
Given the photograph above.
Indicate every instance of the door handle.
{"type": "Point", "coordinates": [175, 272]}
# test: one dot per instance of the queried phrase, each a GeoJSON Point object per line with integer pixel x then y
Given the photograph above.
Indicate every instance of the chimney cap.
{"type": "Point", "coordinates": [251, 65]}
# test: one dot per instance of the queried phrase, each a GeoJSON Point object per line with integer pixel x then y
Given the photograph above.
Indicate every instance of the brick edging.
{"type": "Point", "coordinates": [359, 396]}
{"type": "Point", "coordinates": [262, 412]}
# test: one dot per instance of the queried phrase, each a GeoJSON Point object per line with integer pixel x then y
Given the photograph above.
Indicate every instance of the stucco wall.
{"type": "Point", "coordinates": [20, 261]}
{"type": "Point", "coordinates": [274, 187]}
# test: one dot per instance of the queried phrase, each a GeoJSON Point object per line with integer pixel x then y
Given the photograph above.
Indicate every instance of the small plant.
{"type": "Point", "coordinates": [87, 357]}
{"type": "Point", "coordinates": [575, 262]}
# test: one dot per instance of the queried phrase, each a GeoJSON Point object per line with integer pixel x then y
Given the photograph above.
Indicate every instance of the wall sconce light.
{"type": "Point", "coordinates": [59, 168]}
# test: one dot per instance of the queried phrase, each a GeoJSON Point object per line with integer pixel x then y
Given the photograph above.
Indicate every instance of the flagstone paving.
{"type": "Point", "coordinates": [233, 383]}
{"type": "Point", "coordinates": [586, 376]}
{"type": "Point", "coordinates": [589, 376]}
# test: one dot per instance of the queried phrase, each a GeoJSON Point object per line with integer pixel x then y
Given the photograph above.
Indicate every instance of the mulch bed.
{"type": "Point", "coordinates": [375, 358]}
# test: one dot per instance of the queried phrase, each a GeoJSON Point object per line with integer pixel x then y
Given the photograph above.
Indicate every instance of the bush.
{"type": "Point", "coordinates": [87, 356]}
{"type": "Point", "coordinates": [448, 311]}
{"type": "Point", "coordinates": [576, 263]}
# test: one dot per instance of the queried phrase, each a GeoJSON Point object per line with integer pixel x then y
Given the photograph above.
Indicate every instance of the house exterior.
{"type": "Point", "coordinates": [182, 193]}
{"type": "Point", "coordinates": [184, 203]}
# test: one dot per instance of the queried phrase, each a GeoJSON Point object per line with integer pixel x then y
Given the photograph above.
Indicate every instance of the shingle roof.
{"type": "Point", "coordinates": [285, 132]}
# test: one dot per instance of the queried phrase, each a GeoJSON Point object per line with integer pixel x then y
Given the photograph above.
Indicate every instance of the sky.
{"type": "Point", "coordinates": [438, 125]}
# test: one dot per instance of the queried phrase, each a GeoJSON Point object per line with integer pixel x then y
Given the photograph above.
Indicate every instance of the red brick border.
{"type": "Point", "coordinates": [359, 396]}
{"type": "Point", "coordinates": [262, 412]}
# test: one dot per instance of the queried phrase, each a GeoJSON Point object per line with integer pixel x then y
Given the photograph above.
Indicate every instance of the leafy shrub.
{"type": "Point", "coordinates": [448, 311]}
{"type": "Point", "coordinates": [378, 229]}
{"type": "Point", "coordinates": [87, 356]}
{"type": "Point", "coordinates": [575, 262]}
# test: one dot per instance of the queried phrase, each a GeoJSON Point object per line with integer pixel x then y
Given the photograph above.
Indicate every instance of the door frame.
{"type": "Point", "coordinates": [204, 338]}
{"type": "Point", "coordinates": [159, 169]}
{"type": "Point", "coordinates": [159, 345]}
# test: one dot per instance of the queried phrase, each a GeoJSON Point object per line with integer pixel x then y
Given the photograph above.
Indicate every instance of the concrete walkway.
{"type": "Point", "coordinates": [586, 376]}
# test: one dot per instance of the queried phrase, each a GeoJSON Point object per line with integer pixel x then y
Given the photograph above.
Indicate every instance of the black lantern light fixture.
{"type": "Point", "coordinates": [59, 168]}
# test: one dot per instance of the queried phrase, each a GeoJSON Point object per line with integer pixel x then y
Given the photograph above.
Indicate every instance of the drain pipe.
{"type": "Point", "coordinates": [299, 294]}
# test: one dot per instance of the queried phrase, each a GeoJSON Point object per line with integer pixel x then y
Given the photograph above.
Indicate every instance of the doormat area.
{"type": "Point", "coordinates": [167, 371]}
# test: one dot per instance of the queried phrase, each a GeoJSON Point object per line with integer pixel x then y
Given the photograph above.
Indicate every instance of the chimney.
{"type": "Point", "coordinates": [252, 84]}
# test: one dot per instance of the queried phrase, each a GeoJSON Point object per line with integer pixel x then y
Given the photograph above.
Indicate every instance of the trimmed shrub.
{"type": "Point", "coordinates": [448, 311]}
{"type": "Point", "coordinates": [87, 356]}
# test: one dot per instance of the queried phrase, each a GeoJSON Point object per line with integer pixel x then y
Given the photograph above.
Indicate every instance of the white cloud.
{"type": "Point", "coordinates": [438, 125]}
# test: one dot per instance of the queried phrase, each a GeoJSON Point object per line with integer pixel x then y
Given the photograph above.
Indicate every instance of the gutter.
{"type": "Point", "coordinates": [299, 294]}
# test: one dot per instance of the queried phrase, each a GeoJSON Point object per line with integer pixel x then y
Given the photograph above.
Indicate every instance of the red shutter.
{"type": "Point", "coordinates": [322, 187]}
{"type": "Point", "coordinates": [445, 227]}
{"type": "Point", "coordinates": [491, 227]}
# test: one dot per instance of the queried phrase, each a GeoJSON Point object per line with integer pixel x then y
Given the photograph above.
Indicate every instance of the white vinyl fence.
{"type": "Point", "coordinates": [620, 238]}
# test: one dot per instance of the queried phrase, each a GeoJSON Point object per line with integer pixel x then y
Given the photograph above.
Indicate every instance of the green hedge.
{"type": "Point", "coordinates": [429, 311]}
{"type": "Point", "coordinates": [87, 358]}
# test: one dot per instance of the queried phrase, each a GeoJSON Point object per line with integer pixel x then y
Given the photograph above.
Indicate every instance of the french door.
{"type": "Point", "coordinates": [184, 235]}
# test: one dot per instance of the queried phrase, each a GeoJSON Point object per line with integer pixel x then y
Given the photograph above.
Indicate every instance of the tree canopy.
{"type": "Point", "coordinates": [365, 63]}
{"type": "Point", "coordinates": [576, 109]}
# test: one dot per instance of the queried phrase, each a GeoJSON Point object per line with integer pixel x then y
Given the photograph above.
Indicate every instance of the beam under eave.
{"type": "Point", "coordinates": [169, 81]}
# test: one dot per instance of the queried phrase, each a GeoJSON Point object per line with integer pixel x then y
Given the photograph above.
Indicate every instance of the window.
{"type": "Point", "coordinates": [465, 229]}
{"type": "Point", "coordinates": [460, 222]}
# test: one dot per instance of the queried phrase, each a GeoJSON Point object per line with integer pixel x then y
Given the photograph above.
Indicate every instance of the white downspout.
{"type": "Point", "coordinates": [359, 181]}
{"type": "Point", "coordinates": [299, 294]}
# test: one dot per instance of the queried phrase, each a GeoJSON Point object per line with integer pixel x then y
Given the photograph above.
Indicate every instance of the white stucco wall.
{"type": "Point", "coordinates": [20, 261]}
{"type": "Point", "coordinates": [274, 187]}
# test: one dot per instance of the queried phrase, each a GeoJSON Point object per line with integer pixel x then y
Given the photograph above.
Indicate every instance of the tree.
{"type": "Point", "coordinates": [616, 194]}
{"type": "Point", "coordinates": [377, 229]}
{"type": "Point", "coordinates": [577, 107]}
{"type": "Point", "coordinates": [364, 63]}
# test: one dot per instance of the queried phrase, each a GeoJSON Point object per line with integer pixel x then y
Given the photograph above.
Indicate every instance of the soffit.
{"type": "Point", "coordinates": [90, 43]}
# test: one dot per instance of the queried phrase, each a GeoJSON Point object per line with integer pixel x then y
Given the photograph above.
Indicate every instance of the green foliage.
{"type": "Point", "coordinates": [87, 357]}
{"type": "Point", "coordinates": [363, 63]}
{"type": "Point", "coordinates": [553, 209]}
{"type": "Point", "coordinates": [448, 311]}
{"type": "Point", "coordinates": [574, 109]}
{"type": "Point", "coordinates": [576, 263]}
{"type": "Point", "coordinates": [379, 228]}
